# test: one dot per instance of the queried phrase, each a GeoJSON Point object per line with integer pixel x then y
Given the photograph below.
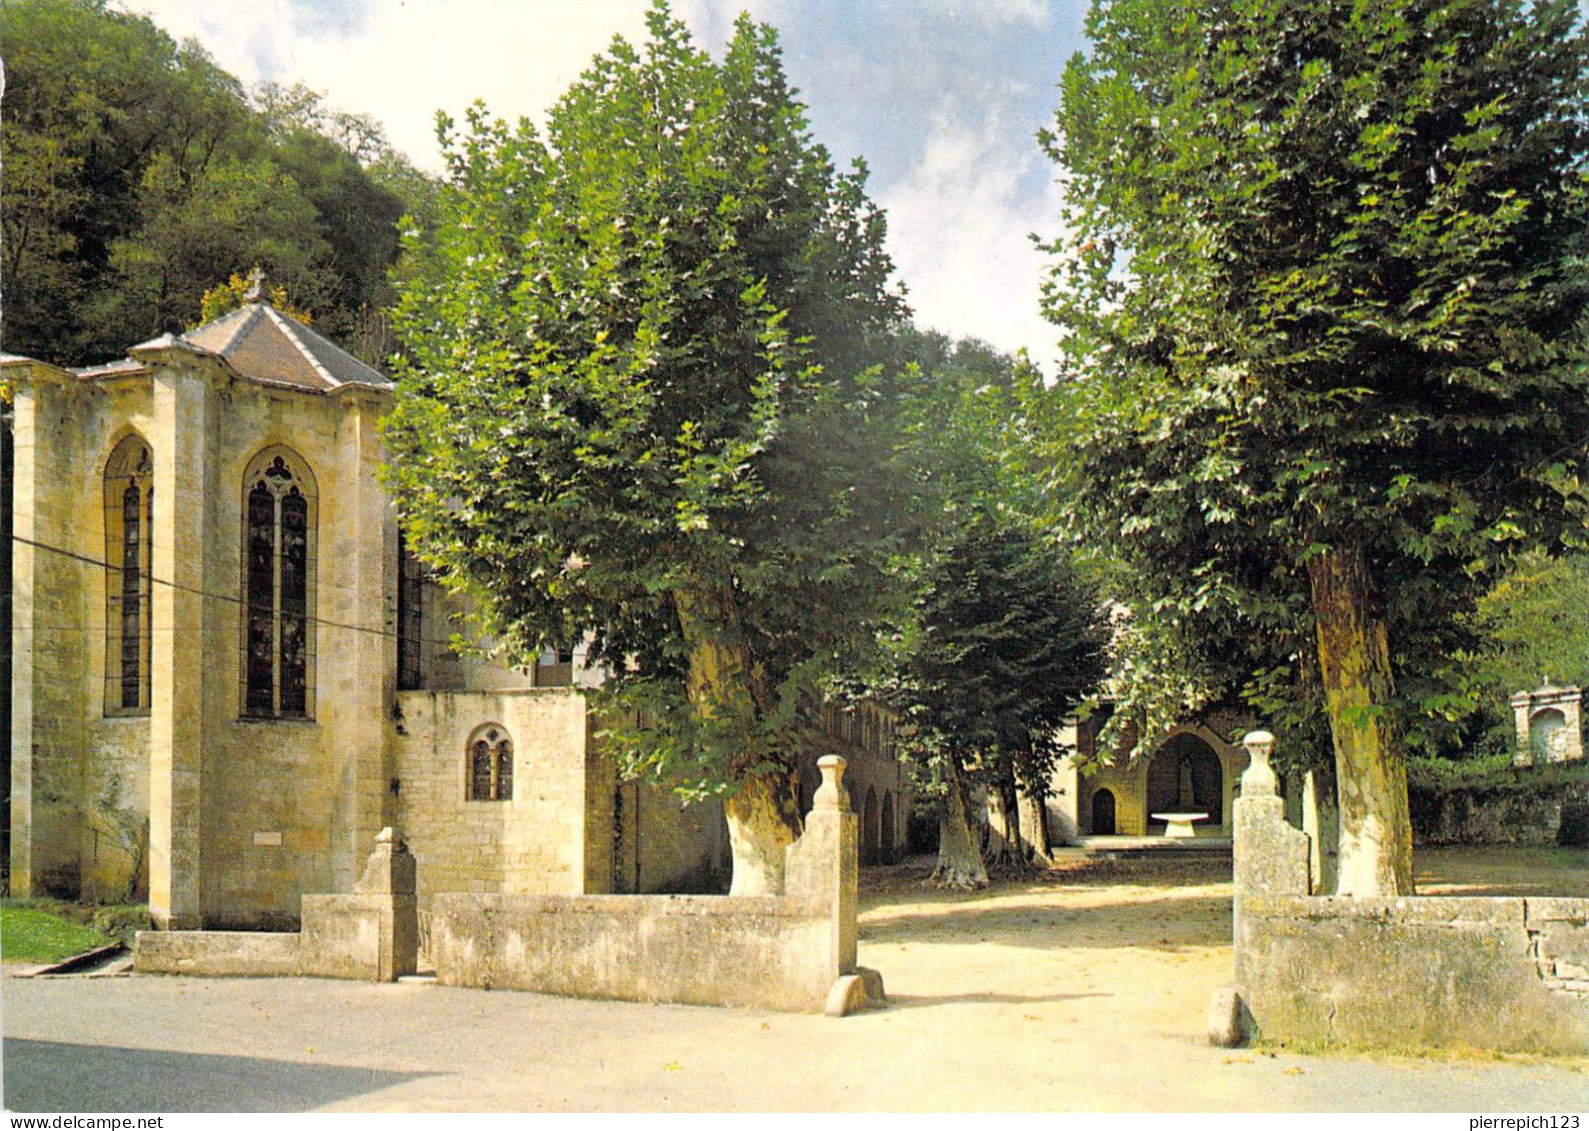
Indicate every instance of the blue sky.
{"type": "Point", "coordinates": [942, 99]}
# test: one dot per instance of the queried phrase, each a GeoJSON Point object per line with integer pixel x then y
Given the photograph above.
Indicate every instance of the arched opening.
{"type": "Point", "coordinates": [1185, 777]}
{"type": "Point", "coordinates": [278, 574]}
{"type": "Point", "coordinates": [1547, 734]}
{"type": "Point", "coordinates": [1103, 813]}
{"type": "Point", "coordinates": [489, 764]}
{"type": "Point", "coordinates": [886, 847]}
{"type": "Point", "coordinates": [869, 828]}
{"type": "Point", "coordinates": [129, 521]}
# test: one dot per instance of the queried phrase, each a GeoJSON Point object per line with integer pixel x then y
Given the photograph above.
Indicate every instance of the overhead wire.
{"type": "Point", "coordinates": [177, 586]}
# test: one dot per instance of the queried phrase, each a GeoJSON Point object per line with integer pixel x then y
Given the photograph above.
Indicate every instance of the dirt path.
{"type": "Point", "coordinates": [1107, 948]}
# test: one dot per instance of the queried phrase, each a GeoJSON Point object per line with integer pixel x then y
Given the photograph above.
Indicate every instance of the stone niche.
{"type": "Point", "coordinates": [1549, 724]}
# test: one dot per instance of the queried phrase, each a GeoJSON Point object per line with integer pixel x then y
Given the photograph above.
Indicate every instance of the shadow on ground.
{"type": "Point", "coordinates": [51, 1076]}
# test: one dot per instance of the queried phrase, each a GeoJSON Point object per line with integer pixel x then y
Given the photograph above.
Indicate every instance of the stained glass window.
{"type": "Point", "coordinates": [278, 584]}
{"type": "Point", "coordinates": [129, 512]}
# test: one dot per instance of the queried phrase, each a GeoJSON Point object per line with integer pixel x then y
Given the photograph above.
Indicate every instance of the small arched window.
{"type": "Point", "coordinates": [278, 587]}
{"type": "Point", "coordinates": [490, 764]}
{"type": "Point", "coordinates": [129, 502]}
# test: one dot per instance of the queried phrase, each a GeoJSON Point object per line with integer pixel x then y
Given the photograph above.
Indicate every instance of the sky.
{"type": "Point", "coordinates": [942, 98]}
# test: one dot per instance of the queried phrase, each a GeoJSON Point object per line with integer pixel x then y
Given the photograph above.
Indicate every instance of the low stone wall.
{"type": "Point", "coordinates": [1504, 973]}
{"type": "Point", "coordinates": [218, 954]}
{"type": "Point", "coordinates": [758, 951]}
{"type": "Point", "coordinates": [792, 952]}
{"type": "Point", "coordinates": [1496, 815]}
{"type": "Point", "coordinates": [370, 934]}
{"type": "Point", "coordinates": [1492, 973]}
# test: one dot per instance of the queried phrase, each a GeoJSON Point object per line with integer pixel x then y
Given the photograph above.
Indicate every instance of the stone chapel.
{"type": "Point", "coordinates": [227, 676]}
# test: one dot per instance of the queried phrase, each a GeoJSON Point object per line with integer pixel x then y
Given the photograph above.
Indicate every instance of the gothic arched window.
{"type": "Point", "coordinates": [490, 764]}
{"type": "Point", "coordinates": [278, 587]}
{"type": "Point", "coordinates": [129, 501]}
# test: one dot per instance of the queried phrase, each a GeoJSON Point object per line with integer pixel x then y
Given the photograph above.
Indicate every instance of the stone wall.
{"type": "Point", "coordinates": [1491, 973]}
{"type": "Point", "coordinates": [1526, 814]}
{"type": "Point", "coordinates": [792, 952]}
{"type": "Point", "coordinates": [1501, 973]}
{"type": "Point", "coordinates": [370, 934]}
{"type": "Point", "coordinates": [660, 844]}
{"type": "Point", "coordinates": [537, 841]}
{"type": "Point", "coordinates": [570, 828]}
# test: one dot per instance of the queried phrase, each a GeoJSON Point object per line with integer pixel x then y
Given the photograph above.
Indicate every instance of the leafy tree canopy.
{"type": "Point", "coordinates": [1001, 637]}
{"type": "Point", "coordinates": [1323, 294]}
{"type": "Point", "coordinates": [642, 404]}
{"type": "Point", "coordinates": [1534, 629]}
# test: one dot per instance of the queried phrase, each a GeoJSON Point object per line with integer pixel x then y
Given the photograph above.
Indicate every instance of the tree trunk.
{"type": "Point", "coordinates": [1034, 826]}
{"type": "Point", "coordinates": [762, 821]}
{"type": "Point", "coordinates": [729, 695]}
{"type": "Point", "coordinates": [1005, 850]}
{"type": "Point", "coordinates": [959, 857]}
{"type": "Point", "coordinates": [1370, 770]}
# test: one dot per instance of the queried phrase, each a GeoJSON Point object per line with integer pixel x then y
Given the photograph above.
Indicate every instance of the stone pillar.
{"type": "Point", "coordinates": [390, 874]}
{"type": "Point", "coordinates": [373, 932]}
{"type": "Point", "coordinates": [1321, 820]}
{"type": "Point", "coordinates": [824, 864]}
{"type": "Point", "coordinates": [53, 685]}
{"type": "Point", "coordinates": [176, 686]}
{"type": "Point", "coordinates": [823, 868]}
{"type": "Point", "coordinates": [358, 585]}
{"type": "Point", "coordinates": [1270, 856]}
{"type": "Point", "coordinates": [29, 522]}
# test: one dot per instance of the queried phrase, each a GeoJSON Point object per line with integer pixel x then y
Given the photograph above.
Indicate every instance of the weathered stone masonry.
{"type": "Point", "coordinates": [1505, 973]}
{"type": "Point", "coordinates": [791, 952]}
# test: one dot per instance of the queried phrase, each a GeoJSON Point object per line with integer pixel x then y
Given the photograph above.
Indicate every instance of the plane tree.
{"type": "Point", "coordinates": [1322, 286]}
{"type": "Point", "coordinates": [1002, 636]}
{"type": "Point", "coordinates": [644, 405]}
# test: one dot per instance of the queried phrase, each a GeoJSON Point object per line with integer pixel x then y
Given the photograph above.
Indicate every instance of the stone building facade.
{"type": "Point", "coordinates": [1549, 725]}
{"type": "Point", "coordinates": [1190, 769]}
{"type": "Point", "coordinates": [226, 679]}
{"type": "Point", "coordinates": [879, 785]}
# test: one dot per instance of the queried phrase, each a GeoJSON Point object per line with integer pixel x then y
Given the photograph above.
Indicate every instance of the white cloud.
{"type": "Point", "coordinates": [958, 219]}
{"type": "Point", "coordinates": [997, 13]}
{"type": "Point", "coordinates": [958, 227]}
{"type": "Point", "coordinates": [404, 61]}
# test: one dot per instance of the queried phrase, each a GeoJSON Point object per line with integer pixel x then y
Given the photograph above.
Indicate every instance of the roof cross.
{"type": "Point", "coordinates": [256, 285]}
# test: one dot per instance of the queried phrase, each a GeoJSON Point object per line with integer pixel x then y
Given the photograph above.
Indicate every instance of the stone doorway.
{"type": "Point", "coordinates": [1103, 813]}
{"type": "Point", "coordinates": [1185, 777]}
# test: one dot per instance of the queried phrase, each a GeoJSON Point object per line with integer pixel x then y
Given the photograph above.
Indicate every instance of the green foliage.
{"type": "Point", "coordinates": [1002, 637]}
{"type": "Point", "coordinates": [30, 934]}
{"type": "Point", "coordinates": [196, 230]}
{"type": "Point", "coordinates": [1322, 283]}
{"type": "Point", "coordinates": [233, 293]}
{"type": "Point", "coordinates": [138, 176]}
{"type": "Point", "coordinates": [642, 372]}
{"type": "Point", "coordinates": [1007, 642]}
{"type": "Point", "coordinates": [1534, 625]}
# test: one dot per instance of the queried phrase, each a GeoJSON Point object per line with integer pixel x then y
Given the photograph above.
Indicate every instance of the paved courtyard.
{"type": "Point", "coordinates": [1086, 992]}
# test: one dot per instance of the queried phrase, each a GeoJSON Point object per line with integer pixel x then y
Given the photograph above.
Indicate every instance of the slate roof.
{"type": "Point", "coordinates": [257, 341]}
{"type": "Point", "coordinates": [261, 343]}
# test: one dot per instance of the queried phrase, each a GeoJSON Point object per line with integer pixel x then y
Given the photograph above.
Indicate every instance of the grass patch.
{"type": "Point", "coordinates": [32, 934]}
